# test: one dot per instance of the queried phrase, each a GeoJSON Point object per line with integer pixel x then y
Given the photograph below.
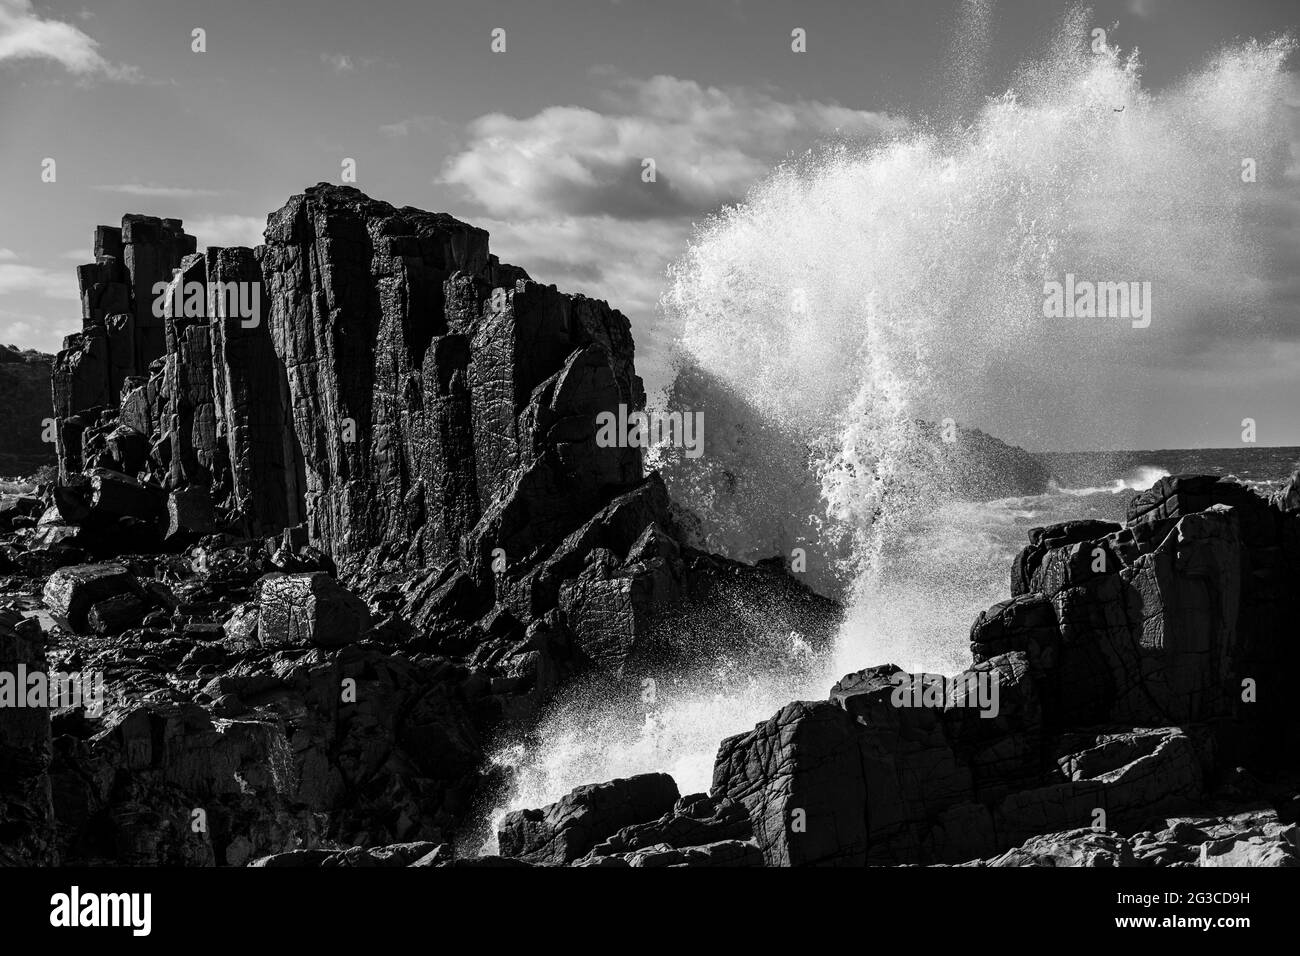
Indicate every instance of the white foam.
{"type": "Point", "coordinates": [919, 268]}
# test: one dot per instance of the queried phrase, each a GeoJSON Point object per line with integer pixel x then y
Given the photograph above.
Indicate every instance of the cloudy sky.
{"type": "Point", "coordinates": [537, 144]}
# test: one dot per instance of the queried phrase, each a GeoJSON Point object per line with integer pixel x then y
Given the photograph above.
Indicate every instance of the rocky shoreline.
{"type": "Point", "coordinates": [331, 514]}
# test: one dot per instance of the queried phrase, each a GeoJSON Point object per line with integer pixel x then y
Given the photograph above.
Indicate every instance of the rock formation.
{"type": "Point", "coordinates": [1141, 717]}
{"type": "Point", "coordinates": [333, 512]}
{"type": "Point", "coordinates": [329, 512]}
{"type": "Point", "coordinates": [25, 397]}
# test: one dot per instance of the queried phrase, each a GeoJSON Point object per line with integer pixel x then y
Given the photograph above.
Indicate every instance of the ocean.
{"type": "Point", "coordinates": [857, 291]}
{"type": "Point", "coordinates": [945, 566]}
{"type": "Point", "coordinates": [935, 575]}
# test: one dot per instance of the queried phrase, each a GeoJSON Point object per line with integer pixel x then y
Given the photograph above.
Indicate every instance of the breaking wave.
{"type": "Point", "coordinates": [857, 291]}
{"type": "Point", "coordinates": [1139, 480]}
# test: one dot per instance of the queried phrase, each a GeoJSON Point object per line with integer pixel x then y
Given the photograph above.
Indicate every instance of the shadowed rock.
{"type": "Point", "coordinates": [569, 828]}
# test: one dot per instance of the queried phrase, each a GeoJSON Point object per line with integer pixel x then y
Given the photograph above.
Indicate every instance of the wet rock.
{"type": "Point", "coordinates": [802, 777]}
{"type": "Point", "coordinates": [1085, 848]}
{"type": "Point", "coordinates": [1253, 851]}
{"type": "Point", "coordinates": [697, 820]}
{"type": "Point", "coordinates": [566, 830]}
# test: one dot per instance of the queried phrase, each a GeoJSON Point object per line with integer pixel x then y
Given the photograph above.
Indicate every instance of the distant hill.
{"type": "Point", "coordinates": [24, 403]}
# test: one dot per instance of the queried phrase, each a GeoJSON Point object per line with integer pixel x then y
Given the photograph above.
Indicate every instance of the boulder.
{"type": "Point", "coordinates": [189, 514]}
{"type": "Point", "coordinates": [568, 829]}
{"type": "Point", "coordinates": [308, 609]}
{"type": "Point", "coordinates": [19, 511]}
{"type": "Point", "coordinates": [71, 592]}
{"type": "Point", "coordinates": [115, 495]}
{"type": "Point", "coordinates": [115, 614]}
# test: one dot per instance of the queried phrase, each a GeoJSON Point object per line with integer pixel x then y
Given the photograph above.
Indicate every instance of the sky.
{"type": "Point", "coordinates": [535, 144]}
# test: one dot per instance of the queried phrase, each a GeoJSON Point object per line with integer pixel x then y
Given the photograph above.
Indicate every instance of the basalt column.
{"type": "Point", "coordinates": [247, 393]}
{"type": "Point", "coordinates": [376, 376]}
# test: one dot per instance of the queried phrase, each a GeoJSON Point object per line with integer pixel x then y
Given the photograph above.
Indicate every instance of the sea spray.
{"type": "Point", "coordinates": [856, 292]}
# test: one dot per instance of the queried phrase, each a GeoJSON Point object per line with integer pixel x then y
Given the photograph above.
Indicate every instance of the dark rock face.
{"type": "Point", "coordinates": [25, 397]}
{"type": "Point", "coordinates": [566, 830]}
{"type": "Point", "coordinates": [26, 806]}
{"type": "Point", "coordinates": [389, 389]}
{"type": "Point", "coordinates": [1138, 667]}
{"type": "Point", "coordinates": [330, 511]}
{"type": "Point", "coordinates": [639, 822]}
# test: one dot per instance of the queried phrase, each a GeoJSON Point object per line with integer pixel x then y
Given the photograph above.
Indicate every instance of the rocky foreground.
{"type": "Point", "coordinates": [320, 548]}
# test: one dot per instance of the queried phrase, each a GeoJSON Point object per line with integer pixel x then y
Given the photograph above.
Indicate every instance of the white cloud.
{"type": "Point", "coordinates": [7, 254]}
{"type": "Point", "coordinates": [17, 278]}
{"type": "Point", "coordinates": [415, 124]}
{"type": "Point", "coordinates": [338, 62]}
{"type": "Point", "coordinates": [708, 145]}
{"type": "Point", "coordinates": [24, 35]}
{"type": "Point", "coordinates": [32, 331]}
{"type": "Point", "coordinates": [564, 194]}
{"type": "Point", "coordinates": [227, 230]}
{"type": "Point", "coordinates": [347, 63]}
{"type": "Point", "coordinates": [156, 191]}
{"type": "Point", "coordinates": [601, 257]}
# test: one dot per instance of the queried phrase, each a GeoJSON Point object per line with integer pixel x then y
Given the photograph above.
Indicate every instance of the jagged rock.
{"type": "Point", "coordinates": [395, 855]}
{"type": "Point", "coordinates": [240, 628]}
{"type": "Point", "coordinates": [18, 511]}
{"type": "Point", "coordinates": [1081, 847]}
{"type": "Point", "coordinates": [398, 410]}
{"type": "Point", "coordinates": [72, 592]}
{"type": "Point", "coordinates": [25, 397]}
{"type": "Point", "coordinates": [801, 777]}
{"type": "Point", "coordinates": [115, 614]}
{"type": "Point", "coordinates": [568, 829]}
{"type": "Point", "coordinates": [128, 448]}
{"type": "Point", "coordinates": [1253, 851]}
{"type": "Point", "coordinates": [189, 514]}
{"type": "Point", "coordinates": [26, 809]}
{"type": "Point", "coordinates": [308, 609]}
{"type": "Point", "coordinates": [408, 402]}
{"type": "Point", "coordinates": [697, 820]}
{"type": "Point", "coordinates": [1253, 838]}
{"type": "Point", "coordinates": [115, 495]}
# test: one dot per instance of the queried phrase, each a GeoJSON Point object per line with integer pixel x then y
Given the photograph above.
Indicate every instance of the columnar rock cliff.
{"type": "Point", "coordinates": [330, 512]}
{"type": "Point", "coordinates": [389, 389]}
